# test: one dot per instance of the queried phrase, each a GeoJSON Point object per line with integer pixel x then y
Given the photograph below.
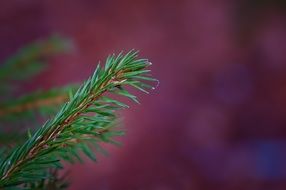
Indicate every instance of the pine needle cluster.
{"type": "Point", "coordinates": [86, 120]}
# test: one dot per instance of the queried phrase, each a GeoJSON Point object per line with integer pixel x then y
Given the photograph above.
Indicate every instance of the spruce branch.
{"type": "Point", "coordinates": [27, 111]}
{"type": "Point", "coordinates": [29, 61]}
{"type": "Point", "coordinates": [58, 182]}
{"type": "Point", "coordinates": [87, 119]}
{"type": "Point", "coordinates": [41, 100]}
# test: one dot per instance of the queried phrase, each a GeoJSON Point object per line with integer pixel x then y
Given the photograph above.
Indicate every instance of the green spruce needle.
{"type": "Point", "coordinates": [87, 119]}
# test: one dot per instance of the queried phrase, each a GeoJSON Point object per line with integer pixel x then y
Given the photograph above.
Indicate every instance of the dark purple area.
{"type": "Point", "coordinates": [218, 118]}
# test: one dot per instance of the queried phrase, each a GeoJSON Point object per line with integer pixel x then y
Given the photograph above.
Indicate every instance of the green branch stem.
{"type": "Point", "coordinates": [87, 117]}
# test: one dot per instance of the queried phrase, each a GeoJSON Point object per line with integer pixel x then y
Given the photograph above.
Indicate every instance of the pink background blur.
{"type": "Point", "coordinates": [217, 120]}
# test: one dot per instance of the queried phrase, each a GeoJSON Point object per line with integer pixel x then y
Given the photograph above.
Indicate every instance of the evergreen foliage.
{"type": "Point", "coordinates": [29, 61]}
{"type": "Point", "coordinates": [86, 120]}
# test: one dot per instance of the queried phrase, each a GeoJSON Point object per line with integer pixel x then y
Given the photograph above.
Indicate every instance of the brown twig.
{"type": "Point", "coordinates": [56, 132]}
{"type": "Point", "coordinates": [34, 104]}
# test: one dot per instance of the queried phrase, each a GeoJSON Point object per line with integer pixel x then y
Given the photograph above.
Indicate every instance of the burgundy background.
{"type": "Point", "coordinates": [218, 118]}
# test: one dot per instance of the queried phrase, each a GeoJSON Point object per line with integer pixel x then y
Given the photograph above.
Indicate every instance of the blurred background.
{"type": "Point", "coordinates": [218, 119]}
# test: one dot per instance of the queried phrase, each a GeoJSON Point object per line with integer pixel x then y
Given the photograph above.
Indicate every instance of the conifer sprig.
{"type": "Point", "coordinates": [87, 119]}
{"type": "Point", "coordinates": [30, 60]}
{"type": "Point", "coordinates": [42, 101]}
